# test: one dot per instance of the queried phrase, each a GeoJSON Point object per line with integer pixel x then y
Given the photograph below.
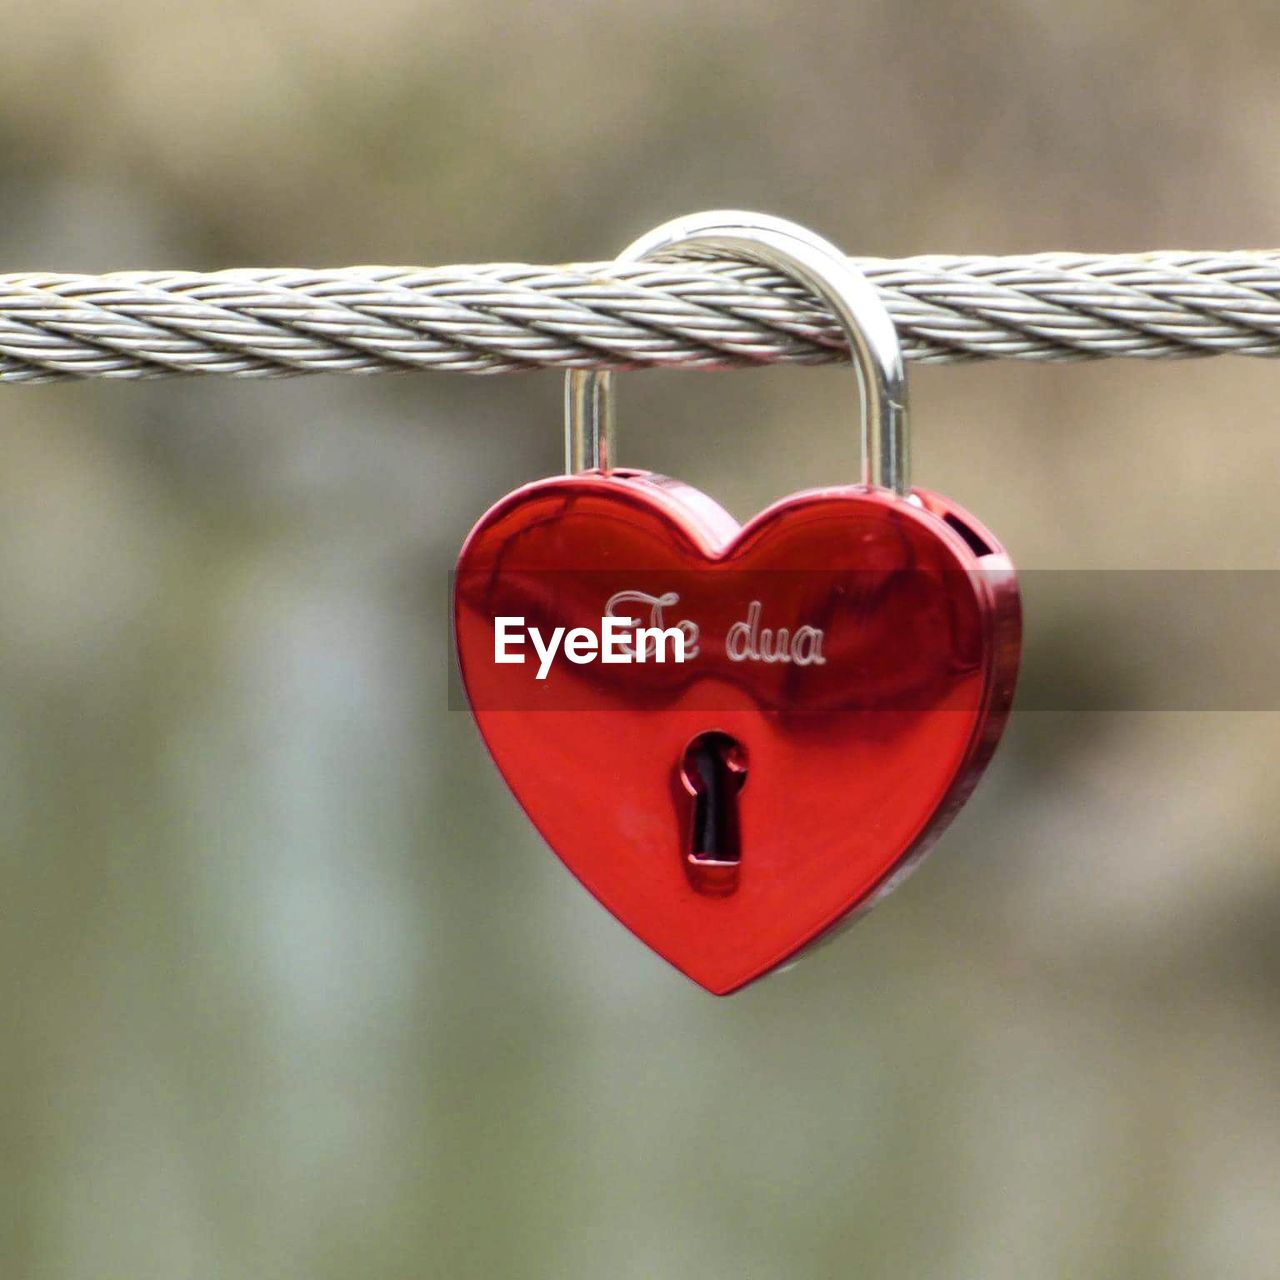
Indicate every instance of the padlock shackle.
{"type": "Point", "coordinates": [817, 264]}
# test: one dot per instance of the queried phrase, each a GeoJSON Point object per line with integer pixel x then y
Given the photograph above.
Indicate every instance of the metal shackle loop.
{"type": "Point", "coordinates": [818, 265]}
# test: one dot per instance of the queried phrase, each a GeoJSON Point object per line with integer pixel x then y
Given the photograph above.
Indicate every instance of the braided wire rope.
{"type": "Point", "coordinates": [699, 313]}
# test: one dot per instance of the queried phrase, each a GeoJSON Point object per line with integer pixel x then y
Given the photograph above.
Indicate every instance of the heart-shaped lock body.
{"type": "Point", "coordinates": [858, 649]}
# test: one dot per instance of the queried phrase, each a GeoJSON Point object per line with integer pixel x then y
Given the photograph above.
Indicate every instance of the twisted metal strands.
{"type": "Point", "coordinates": [503, 317]}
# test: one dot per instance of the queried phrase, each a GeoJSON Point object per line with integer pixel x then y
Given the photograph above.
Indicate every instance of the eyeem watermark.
{"type": "Point", "coordinates": [619, 640]}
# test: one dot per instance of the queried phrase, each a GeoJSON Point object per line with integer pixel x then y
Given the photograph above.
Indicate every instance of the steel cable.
{"type": "Point", "coordinates": [699, 313]}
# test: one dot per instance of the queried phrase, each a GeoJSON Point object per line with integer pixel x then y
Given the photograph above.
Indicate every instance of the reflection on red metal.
{"type": "Point", "coordinates": [853, 652]}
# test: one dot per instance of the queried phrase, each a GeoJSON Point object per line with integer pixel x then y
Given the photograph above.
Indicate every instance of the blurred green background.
{"type": "Point", "coordinates": [289, 988]}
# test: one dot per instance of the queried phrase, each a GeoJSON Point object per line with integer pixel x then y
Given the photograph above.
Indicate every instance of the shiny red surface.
{"type": "Point", "coordinates": [853, 766]}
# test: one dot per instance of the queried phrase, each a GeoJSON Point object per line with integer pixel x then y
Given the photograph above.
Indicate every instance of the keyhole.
{"type": "Point", "coordinates": [713, 771]}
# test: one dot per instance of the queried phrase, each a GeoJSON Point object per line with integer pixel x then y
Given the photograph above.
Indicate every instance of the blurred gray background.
{"type": "Point", "coordinates": [289, 988]}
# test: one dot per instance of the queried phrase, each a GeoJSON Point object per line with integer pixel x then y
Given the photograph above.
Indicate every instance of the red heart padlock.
{"type": "Point", "coordinates": [736, 736]}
